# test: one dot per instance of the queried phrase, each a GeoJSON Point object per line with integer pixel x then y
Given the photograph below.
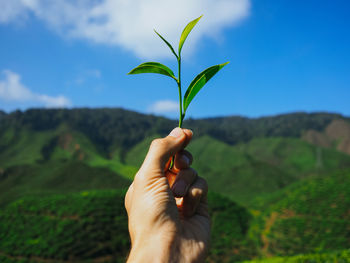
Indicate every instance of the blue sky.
{"type": "Point", "coordinates": [285, 56]}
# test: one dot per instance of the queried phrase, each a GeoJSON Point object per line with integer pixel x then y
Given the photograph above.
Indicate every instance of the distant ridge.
{"type": "Point", "coordinates": [106, 125]}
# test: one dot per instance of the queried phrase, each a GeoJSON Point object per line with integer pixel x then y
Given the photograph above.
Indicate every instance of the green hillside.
{"type": "Point", "coordinates": [111, 128]}
{"type": "Point", "coordinates": [137, 153]}
{"type": "Point", "coordinates": [309, 216]}
{"type": "Point", "coordinates": [336, 257]}
{"type": "Point", "coordinates": [294, 155]}
{"type": "Point", "coordinates": [282, 181]}
{"type": "Point", "coordinates": [91, 226]}
{"type": "Point", "coordinates": [24, 146]}
{"type": "Point", "coordinates": [248, 170]}
{"type": "Point", "coordinates": [229, 231]}
{"type": "Point", "coordinates": [260, 166]}
{"type": "Point", "coordinates": [55, 177]}
{"type": "Point", "coordinates": [227, 169]}
{"type": "Point", "coordinates": [76, 227]}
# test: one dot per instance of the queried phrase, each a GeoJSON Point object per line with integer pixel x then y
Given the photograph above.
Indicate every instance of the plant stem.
{"type": "Point", "coordinates": [180, 93]}
{"type": "Point", "coordinates": [180, 103]}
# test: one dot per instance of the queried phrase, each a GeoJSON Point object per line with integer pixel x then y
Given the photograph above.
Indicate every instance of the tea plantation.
{"type": "Point", "coordinates": [283, 196]}
{"type": "Point", "coordinates": [91, 226]}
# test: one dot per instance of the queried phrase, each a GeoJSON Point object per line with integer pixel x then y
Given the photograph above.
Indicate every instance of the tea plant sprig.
{"type": "Point", "coordinates": [197, 83]}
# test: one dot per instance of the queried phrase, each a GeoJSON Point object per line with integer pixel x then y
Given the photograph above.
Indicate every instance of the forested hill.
{"type": "Point", "coordinates": [237, 129]}
{"type": "Point", "coordinates": [2, 114]}
{"type": "Point", "coordinates": [279, 186]}
{"type": "Point", "coordinates": [123, 128]}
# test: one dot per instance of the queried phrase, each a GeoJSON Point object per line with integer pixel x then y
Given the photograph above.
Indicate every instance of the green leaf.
{"type": "Point", "coordinates": [186, 31]}
{"type": "Point", "coordinates": [166, 42]}
{"type": "Point", "coordinates": [198, 83]}
{"type": "Point", "coordinates": [153, 67]}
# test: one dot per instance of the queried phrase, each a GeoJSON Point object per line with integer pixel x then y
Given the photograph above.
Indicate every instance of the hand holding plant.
{"type": "Point", "coordinates": [155, 224]}
{"type": "Point", "coordinates": [159, 230]}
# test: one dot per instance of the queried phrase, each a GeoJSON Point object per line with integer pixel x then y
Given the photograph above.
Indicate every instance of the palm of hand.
{"type": "Point", "coordinates": [190, 235]}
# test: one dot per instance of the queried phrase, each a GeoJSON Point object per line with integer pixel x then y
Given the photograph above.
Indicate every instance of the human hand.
{"type": "Point", "coordinates": [161, 229]}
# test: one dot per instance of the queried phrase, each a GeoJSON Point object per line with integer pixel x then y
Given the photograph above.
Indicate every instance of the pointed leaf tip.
{"type": "Point", "coordinates": [199, 81]}
{"type": "Point", "coordinates": [186, 31]}
{"type": "Point", "coordinates": [167, 43]}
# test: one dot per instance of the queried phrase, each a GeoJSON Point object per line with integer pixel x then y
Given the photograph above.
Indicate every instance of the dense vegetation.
{"type": "Point", "coordinates": [76, 227]}
{"type": "Point", "coordinates": [342, 256]}
{"type": "Point", "coordinates": [283, 181]}
{"type": "Point", "coordinates": [55, 177]}
{"type": "Point", "coordinates": [91, 226]}
{"type": "Point", "coordinates": [311, 215]}
{"type": "Point", "coordinates": [118, 127]}
{"type": "Point", "coordinates": [262, 165]}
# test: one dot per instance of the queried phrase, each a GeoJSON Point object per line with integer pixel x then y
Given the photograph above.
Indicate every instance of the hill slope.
{"type": "Point", "coordinates": [248, 170]}
{"type": "Point", "coordinates": [55, 177]}
{"type": "Point", "coordinates": [91, 226]}
{"type": "Point", "coordinates": [291, 171]}
{"type": "Point", "coordinates": [110, 128]}
{"type": "Point", "coordinates": [309, 216]}
{"type": "Point", "coordinates": [335, 135]}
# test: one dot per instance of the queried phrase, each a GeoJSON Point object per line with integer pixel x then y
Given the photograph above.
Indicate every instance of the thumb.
{"type": "Point", "coordinates": [161, 150]}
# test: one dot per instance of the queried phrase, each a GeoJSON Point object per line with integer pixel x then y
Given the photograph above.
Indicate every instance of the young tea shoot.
{"type": "Point", "coordinates": [197, 83]}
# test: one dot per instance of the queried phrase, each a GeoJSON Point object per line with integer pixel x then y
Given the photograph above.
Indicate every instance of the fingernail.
{"type": "Point", "coordinates": [185, 159]}
{"type": "Point", "coordinates": [190, 131]}
{"type": "Point", "coordinates": [177, 132]}
{"type": "Point", "coordinates": [179, 188]}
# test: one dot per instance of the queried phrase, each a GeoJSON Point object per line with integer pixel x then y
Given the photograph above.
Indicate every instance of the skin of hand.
{"type": "Point", "coordinates": [162, 228]}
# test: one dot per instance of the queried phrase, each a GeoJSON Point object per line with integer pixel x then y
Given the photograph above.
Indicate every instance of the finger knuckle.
{"type": "Point", "coordinates": [188, 154]}
{"type": "Point", "coordinates": [158, 143]}
{"type": "Point", "coordinates": [155, 143]}
{"type": "Point", "coordinates": [197, 192]}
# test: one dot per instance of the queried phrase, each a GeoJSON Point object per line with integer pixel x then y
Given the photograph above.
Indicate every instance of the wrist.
{"type": "Point", "coordinates": [155, 250]}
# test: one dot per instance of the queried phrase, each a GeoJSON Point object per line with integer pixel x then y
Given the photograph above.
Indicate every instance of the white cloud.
{"type": "Point", "coordinates": [130, 23]}
{"type": "Point", "coordinates": [53, 102]}
{"type": "Point", "coordinates": [163, 107]}
{"type": "Point", "coordinates": [12, 10]}
{"type": "Point", "coordinates": [12, 90]}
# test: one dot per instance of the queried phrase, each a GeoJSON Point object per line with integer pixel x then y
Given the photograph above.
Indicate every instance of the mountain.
{"type": "Point", "coordinates": [269, 149]}
{"type": "Point", "coordinates": [2, 114]}
{"type": "Point", "coordinates": [117, 127]}
{"type": "Point", "coordinates": [335, 135]}
{"type": "Point", "coordinates": [278, 185]}
{"type": "Point", "coordinates": [105, 128]}
{"type": "Point", "coordinates": [237, 129]}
